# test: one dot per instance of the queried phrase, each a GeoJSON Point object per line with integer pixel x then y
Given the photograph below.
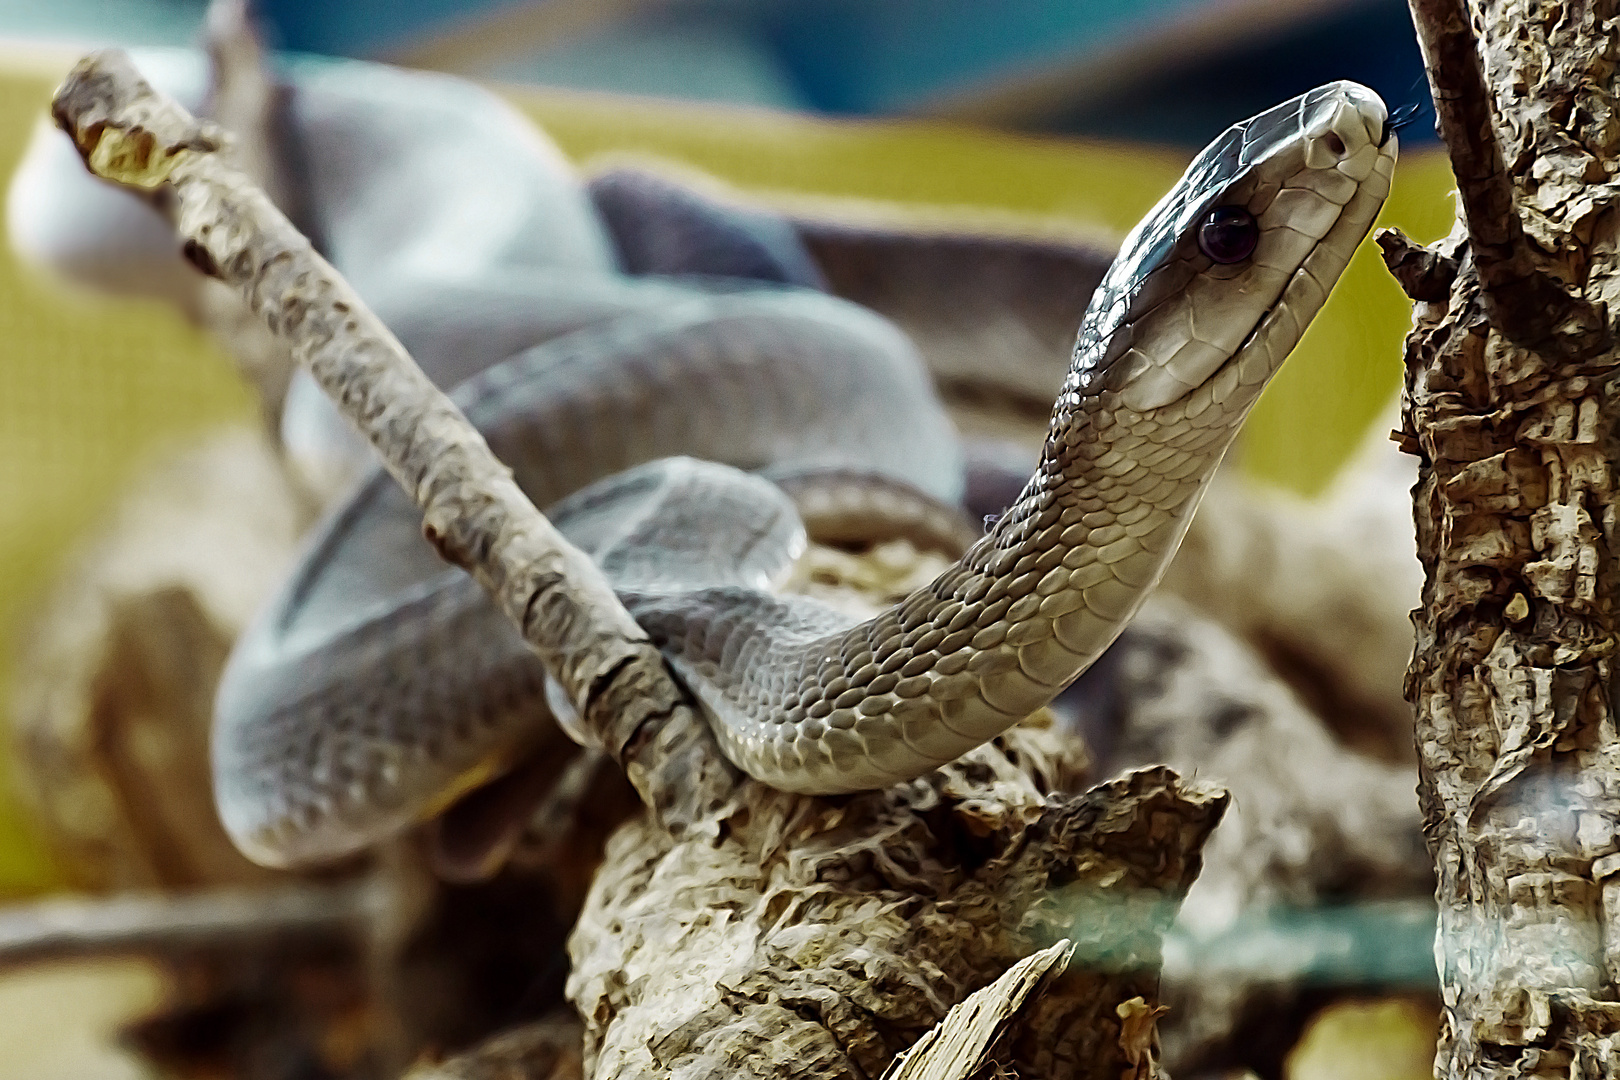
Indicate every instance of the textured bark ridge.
{"type": "Point", "coordinates": [1513, 413]}
{"type": "Point", "coordinates": [822, 937]}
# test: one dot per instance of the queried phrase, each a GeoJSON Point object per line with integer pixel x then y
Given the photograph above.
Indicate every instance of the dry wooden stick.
{"type": "Point", "coordinates": [474, 514]}
{"type": "Point", "coordinates": [958, 1047]}
{"type": "Point", "coordinates": [1524, 303]}
{"type": "Point", "coordinates": [169, 924]}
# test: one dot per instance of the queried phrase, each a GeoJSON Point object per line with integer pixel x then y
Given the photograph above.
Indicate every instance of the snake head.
{"type": "Point", "coordinates": [1212, 290]}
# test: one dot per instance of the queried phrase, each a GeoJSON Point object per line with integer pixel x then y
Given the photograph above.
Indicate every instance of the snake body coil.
{"type": "Point", "coordinates": [379, 683]}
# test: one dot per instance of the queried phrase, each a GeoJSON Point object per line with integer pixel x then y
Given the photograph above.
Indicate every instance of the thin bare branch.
{"type": "Point", "coordinates": [1523, 302]}
{"type": "Point", "coordinates": [473, 511]}
{"type": "Point", "coordinates": [168, 923]}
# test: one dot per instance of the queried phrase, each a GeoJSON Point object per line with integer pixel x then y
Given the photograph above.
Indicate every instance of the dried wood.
{"type": "Point", "coordinates": [822, 937]}
{"type": "Point", "coordinates": [1524, 302]}
{"type": "Point", "coordinates": [1515, 506]}
{"type": "Point", "coordinates": [245, 99]}
{"type": "Point", "coordinates": [959, 1046]}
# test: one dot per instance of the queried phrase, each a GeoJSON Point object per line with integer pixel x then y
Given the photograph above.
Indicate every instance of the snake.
{"type": "Point", "coordinates": [682, 433]}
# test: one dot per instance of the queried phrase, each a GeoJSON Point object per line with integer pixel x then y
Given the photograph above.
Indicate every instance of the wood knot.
{"type": "Point", "coordinates": [1423, 273]}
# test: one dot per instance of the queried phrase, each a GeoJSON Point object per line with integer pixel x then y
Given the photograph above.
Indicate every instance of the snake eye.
{"type": "Point", "coordinates": [1228, 234]}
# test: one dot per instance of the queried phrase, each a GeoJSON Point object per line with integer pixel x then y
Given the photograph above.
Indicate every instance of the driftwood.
{"type": "Point", "coordinates": [855, 922]}
{"type": "Point", "coordinates": [1512, 412]}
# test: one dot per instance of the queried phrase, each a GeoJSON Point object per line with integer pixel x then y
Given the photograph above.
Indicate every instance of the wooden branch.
{"type": "Point", "coordinates": [1524, 303]}
{"type": "Point", "coordinates": [1516, 516]}
{"type": "Point", "coordinates": [244, 98]}
{"type": "Point", "coordinates": [473, 512]}
{"type": "Point", "coordinates": [171, 924]}
{"type": "Point", "coordinates": [1424, 274]}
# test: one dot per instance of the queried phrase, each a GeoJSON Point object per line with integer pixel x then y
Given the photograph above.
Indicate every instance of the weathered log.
{"type": "Point", "coordinates": [821, 937]}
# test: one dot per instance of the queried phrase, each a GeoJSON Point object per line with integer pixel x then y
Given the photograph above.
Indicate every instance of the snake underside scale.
{"type": "Point", "coordinates": [378, 684]}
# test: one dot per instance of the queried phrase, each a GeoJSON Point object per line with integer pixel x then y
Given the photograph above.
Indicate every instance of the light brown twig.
{"type": "Point", "coordinates": [168, 924]}
{"type": "Point", "coordinates": [1523, 302]}
{"type": "Point", "coordinates": [473, 512]}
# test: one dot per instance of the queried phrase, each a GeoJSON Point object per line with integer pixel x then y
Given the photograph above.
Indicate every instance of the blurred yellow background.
{"type": "Point", "coordinates": [89, 388]}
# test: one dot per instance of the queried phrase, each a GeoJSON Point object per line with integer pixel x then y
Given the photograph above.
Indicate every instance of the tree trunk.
{"type": "Point", "coordinates": [1512, 410]}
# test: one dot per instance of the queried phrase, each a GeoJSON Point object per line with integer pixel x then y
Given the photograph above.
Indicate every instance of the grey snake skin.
{"type": "Point", "coordinates": [379, 684]}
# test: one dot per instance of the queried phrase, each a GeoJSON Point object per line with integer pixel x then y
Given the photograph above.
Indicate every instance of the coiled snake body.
{"type": "Point", "coordinates": [379, 681]}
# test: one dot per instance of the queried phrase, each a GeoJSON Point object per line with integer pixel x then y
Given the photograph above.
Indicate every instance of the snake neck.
{"type": "Point", "coordinates": [810, 708]}
{"type": "Point", "coordinates": [1088, 538]}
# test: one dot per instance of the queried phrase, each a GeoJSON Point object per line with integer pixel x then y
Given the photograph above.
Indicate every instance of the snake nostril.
{"type": "Point", "coordinates": [1334, 143]}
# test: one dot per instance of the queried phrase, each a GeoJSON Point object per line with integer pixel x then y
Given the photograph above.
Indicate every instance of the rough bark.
{"type": "Point", "coordinates": [822, 937]}
{"type": "Point", "coordinates": [1512, 410]}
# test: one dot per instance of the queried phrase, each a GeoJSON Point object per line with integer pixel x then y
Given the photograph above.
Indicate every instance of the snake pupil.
{"type": "Point", "coordinates": [1228, 234]}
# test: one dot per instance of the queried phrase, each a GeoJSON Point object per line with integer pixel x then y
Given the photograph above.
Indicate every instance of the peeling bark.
{"type": "Point", "coordinates": [822, 937]}
{"type": "Point", "coordinates": [1514, 420]}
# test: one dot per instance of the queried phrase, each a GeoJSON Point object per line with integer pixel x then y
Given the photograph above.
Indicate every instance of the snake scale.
{"type": "Point", "coordinates": [664, 424]}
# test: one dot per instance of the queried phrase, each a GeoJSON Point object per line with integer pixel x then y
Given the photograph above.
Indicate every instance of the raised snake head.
{"type": "Point", "coordinates": [1213, 288]}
